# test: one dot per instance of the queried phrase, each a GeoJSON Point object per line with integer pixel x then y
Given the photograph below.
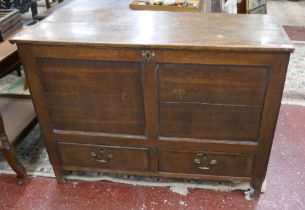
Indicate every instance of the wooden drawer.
{"type": "Point", "coordinates": [205, 163]}
{"type": "Point", "coordinates": [106, 157]}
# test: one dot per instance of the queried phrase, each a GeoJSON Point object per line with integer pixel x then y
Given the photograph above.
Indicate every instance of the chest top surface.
{"type": "Point", "coordinates": [105, 23]}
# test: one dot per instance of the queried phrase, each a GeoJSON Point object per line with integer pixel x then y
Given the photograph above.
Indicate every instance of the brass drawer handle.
{"type": "Point", "coordinates": [211, 163]}
{"type": "Point", "coordinates": [105, 160]}
{"type": "Point", "coordinates": [205, 168]}
{"type": "Point", "coordinates": [108, 158]}
{"type": "Point", "coordinates": [197, 161]}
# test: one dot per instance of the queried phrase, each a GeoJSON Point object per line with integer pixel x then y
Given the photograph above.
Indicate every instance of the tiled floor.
{"type": "Point", "coordinates": [287, 12]}
{"type": "Point", "coordinates": [285, 184]}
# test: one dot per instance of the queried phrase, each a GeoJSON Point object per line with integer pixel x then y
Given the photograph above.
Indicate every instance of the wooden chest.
{"type": "Point", "coordinates": [193, 97]}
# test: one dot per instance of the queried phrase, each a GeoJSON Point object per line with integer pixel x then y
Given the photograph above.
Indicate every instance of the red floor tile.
{"type": "Point", "coordinates": [295, 33]}
{"type": "Point", "coordinates": [285, 184]}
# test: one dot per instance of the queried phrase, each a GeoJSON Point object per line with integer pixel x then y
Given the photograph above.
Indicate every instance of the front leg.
{"type": "Point", "coordinates": [257, 187]}
{"type": "Point", "coordinates": [10, 155]}
{"type": "Point", "coordinates": [59, 175]}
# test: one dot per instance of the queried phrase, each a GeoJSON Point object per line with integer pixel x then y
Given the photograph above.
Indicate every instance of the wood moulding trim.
{"type": "Point", "coordinates": [164, 174]}
{"type": "Point", "coordinates": [98, 134]}
{"type": "Point", "coordinates": [158, 142]}
{"type": "Point", "coordinates": [230, 142]}
{"type": "Point", "coordinates": [271, 49]}
{"type": "Point", "coordinates": [161, 55]}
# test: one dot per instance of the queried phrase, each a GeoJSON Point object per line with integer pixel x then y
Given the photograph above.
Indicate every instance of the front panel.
{"type": "Point", "coordinates": [211, 101]}
{"type": "Point", "coordinates": [93, 96]}
{"type": "Point", "coordinates": [152, 116]}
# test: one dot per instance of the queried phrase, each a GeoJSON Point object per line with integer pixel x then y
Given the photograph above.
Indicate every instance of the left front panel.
{"type": "Point", "coordinates": [93, 96]}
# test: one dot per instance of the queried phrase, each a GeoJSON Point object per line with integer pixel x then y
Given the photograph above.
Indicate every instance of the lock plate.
{"type": "Point", "coordinates": [148, 54]}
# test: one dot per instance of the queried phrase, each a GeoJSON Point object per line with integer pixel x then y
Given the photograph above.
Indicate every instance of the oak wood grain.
{"type": "Point", "coordinates": [208, 121]}
{"type": "Point", "coordinates": [94, 96]}
{"type": "Point", "coordinates": [138, 28]}
{"type": "Point", "coordinates": [124, 158]}
{"type": "Point", "coordinates": [227, 164]}
{"type": "Point", "coordinates": [156, 93]}
{"type": "Point", "coordinates": [213, 84]}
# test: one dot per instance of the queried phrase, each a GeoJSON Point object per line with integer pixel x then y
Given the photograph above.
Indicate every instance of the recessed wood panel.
{"type": "Point", "coordinates": [195, 120]}
{"type": "Point", "coordinates": [234, 85]}
{"type": "Point", "coordinates": [94, 96]}
{"type": "Point", "coordinates": [225, 164]}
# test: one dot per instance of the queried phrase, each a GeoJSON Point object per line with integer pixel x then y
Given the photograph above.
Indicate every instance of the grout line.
{"type": "Point", "coordinates": [297, 42]}
{"type": "Point", "coordinates": [293, 102]}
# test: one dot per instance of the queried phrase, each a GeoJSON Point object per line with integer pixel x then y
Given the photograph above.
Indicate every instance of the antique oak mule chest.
{"type": "Point", "coordinates": [157, 93]}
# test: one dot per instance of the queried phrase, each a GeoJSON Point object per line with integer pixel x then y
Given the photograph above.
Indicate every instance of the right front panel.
{"type": "Point", "coordinates": [211, 101]}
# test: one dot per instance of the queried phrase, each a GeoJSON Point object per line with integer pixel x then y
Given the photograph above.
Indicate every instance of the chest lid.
{"type": "Point", "coordinates": [153, 29]}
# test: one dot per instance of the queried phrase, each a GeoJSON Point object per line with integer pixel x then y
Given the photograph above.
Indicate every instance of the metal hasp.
{"type": "Point", "coordinates": [148, 54]}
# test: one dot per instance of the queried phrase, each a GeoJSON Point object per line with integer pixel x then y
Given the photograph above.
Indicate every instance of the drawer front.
{"type": "Point", "coordinates": [232, 85]}
{"type": "Point", "coordinates": [105, 157]}
{"type": "Point", "coordinates": [205, 163]}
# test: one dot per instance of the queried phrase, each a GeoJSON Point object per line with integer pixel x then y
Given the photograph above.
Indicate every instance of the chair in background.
{"type": "Point", "coordinates": [17, 113]}
{"type": "Point", "coordinates": [22, 5]}
{"type": "Point", "coordinates": [16, 118]}
{"type": "Point", "coordinates": [9, 59]}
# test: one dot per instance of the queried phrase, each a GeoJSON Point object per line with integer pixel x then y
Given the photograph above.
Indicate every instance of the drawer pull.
{"type": "Point", "coordinates": [212, 162]}
{"type": "Point", "coordinates": [93, 154]}
{"type": "Point", "coordinates": [205, 162]}
{"type": "Point", "coordinates": [105, 160]}
{"type": "Point", "coordinates": [108, 158]}
{"type": "Point", "coordinates": [205, 168]}
{"type": "Point", "coordinates": [197, 161]}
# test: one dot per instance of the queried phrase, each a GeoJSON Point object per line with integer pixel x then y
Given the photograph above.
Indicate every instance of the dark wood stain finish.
{"type": "Point", "coordinates": [206, 121]}
{"type": "Point", "coordinates": [100, 156]}
{"type": "Point", "coordinates": [213, 84]}
{"type": "Point", "coordinates": [118, 92]}
{"type": "Point", "coordinates": [227, 164]}
{"type": "Point", "coordinates": [73, 89]}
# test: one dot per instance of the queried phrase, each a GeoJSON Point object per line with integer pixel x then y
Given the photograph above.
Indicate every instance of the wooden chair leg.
{"type": "Point", "coordinates": [18, 70]}
{"type": "Point", "coordinates": [48, 5]}
{"type": "Point", "coordinates": [10, 156]}
{"type": "Point", "coordinates": [34, 8]}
